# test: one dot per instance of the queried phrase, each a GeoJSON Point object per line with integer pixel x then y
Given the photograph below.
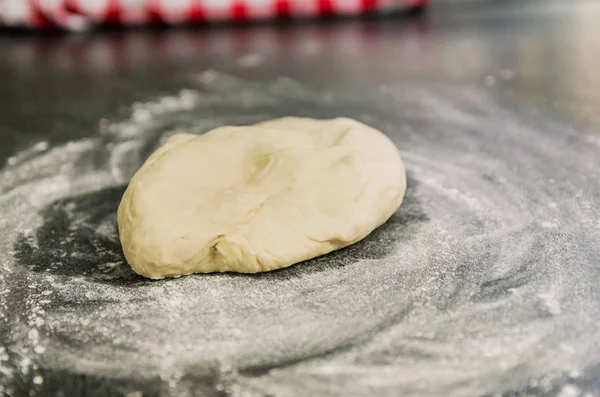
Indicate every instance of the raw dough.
{"type": "Point", "coordinates": [257, 198]}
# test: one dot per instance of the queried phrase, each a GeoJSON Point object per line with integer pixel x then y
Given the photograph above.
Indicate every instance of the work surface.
{"type": "Point", "coordinates": [484, 282]}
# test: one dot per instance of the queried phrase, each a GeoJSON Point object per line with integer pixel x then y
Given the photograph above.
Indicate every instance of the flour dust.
{"type": "Point", "coordinates": [485, 281]}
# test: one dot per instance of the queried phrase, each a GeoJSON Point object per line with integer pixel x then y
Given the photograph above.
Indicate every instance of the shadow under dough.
{"type": "Point", "coordinates": [79, 238]}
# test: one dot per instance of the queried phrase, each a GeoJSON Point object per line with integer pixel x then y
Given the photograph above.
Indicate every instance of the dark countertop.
{"type": "Point", "coordinates": [484, 283]}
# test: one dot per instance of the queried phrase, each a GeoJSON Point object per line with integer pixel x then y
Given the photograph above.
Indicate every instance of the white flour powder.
{"type": "Point", "coordinates": [484, 281]}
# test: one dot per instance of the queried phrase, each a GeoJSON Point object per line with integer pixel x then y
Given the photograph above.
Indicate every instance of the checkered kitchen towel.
{"type": "Point", "coordinates": [80, 14]}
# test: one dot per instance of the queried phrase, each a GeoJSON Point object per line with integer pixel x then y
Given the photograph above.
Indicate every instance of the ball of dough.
{"type": "Point", "coordinates": [257, 198]}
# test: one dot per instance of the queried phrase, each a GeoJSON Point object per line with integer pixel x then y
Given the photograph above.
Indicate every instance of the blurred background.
{"type": "Point", "coordinates": [541, 52]}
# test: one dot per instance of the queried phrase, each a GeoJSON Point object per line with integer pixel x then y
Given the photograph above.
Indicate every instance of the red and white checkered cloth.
{"type": "Point", "coordinates": [79, 14]}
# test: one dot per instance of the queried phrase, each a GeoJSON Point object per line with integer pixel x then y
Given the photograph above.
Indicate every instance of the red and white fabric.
{"type": "Point", "coordinates": [80, 14]}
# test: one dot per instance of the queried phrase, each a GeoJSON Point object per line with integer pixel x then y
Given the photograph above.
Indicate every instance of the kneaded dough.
{"type": "Point", "coordinates": [257, 198]}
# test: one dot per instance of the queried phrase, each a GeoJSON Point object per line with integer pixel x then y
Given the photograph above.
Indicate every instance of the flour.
{"type": "Point", "coordinates": [485, 281]}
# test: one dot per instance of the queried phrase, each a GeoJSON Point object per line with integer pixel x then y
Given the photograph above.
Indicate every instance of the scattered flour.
{"type": "Point", "coordinates": [476, 286]}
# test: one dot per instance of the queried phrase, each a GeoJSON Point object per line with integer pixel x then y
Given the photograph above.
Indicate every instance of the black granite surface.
{"type": "Point", "coordinates": [502, 97]}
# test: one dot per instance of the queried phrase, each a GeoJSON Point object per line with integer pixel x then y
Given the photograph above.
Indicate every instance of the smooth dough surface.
{"type": "Point", "coordinates": [257, 198]}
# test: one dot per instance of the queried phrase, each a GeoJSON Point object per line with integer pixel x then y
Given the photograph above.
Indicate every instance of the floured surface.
{"type": "Point", "coordinates": [485, 281]}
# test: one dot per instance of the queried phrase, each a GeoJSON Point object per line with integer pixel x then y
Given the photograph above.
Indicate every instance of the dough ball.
{"type": "Point", "coordinates": [257, 198]}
